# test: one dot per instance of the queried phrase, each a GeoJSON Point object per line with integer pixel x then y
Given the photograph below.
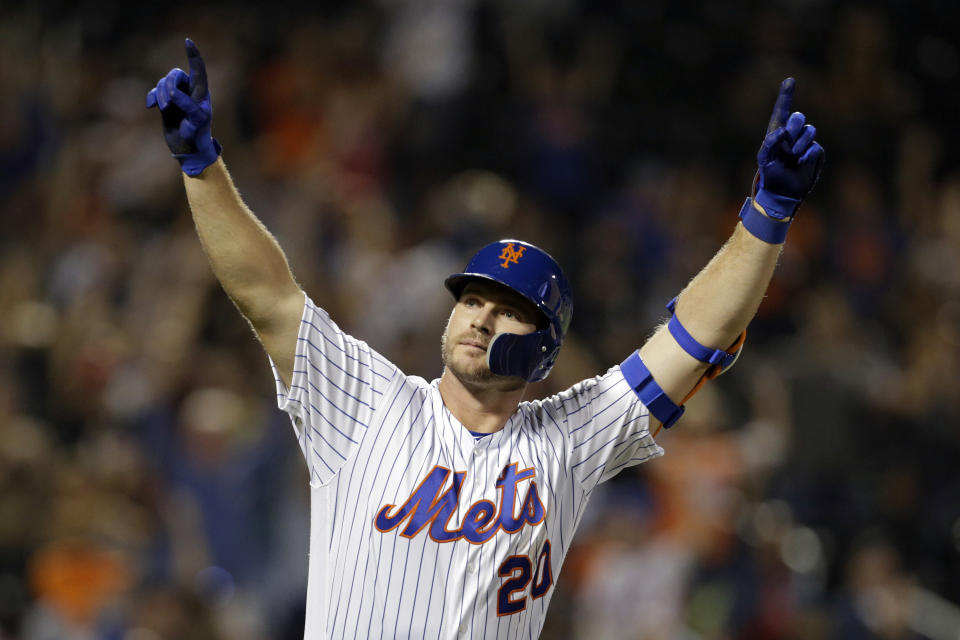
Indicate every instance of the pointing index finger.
{"type": "Point", "coordinates": [783, 106]}
{"type": "Point", "coordinates": [198, 72]}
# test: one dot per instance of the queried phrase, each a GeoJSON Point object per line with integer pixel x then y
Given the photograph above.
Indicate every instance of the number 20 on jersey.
{"type": "Point", "coordinates": [519, 571]}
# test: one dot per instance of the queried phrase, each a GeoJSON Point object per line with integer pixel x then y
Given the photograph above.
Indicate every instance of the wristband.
{"type": "Point", "coordinates": [769, 229]}
{"type": "Point", "coordinates": [776, 206]}
{"type": "Point", "coordinates": [688, 343]}
{"type": "Point", "coordinates": [649, 392]}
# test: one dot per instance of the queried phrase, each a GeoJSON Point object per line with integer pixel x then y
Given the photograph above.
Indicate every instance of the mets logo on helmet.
{"type": "Point", "coordinates": [511, 254]}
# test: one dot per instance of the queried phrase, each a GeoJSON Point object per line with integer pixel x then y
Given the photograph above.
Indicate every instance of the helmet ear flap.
{"type": "Point", "coordinates": [529, 356]}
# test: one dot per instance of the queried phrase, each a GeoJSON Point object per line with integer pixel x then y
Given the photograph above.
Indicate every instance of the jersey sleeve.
{"type": "Point", "coordinates": [336, 386]}
{"type": "Point", "coordinates": [607, 427]}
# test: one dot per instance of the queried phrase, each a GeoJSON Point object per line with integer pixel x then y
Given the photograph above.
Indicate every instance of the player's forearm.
{"type": "Point", "coordinates": [720, 301]}
{"type": "Point", "coordinates": [714, 308]}
{"type": "Point", "coordinates": [245, 257]}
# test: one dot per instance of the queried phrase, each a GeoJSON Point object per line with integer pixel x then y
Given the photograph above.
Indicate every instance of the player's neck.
{"type": "Point", "coordinates": [485, 410]}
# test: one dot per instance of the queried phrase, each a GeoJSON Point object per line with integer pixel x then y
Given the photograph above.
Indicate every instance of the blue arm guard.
{"type": "Point", "coordinates": [717, 357]}
{"type": "Point", "coordinates": [651, 395]}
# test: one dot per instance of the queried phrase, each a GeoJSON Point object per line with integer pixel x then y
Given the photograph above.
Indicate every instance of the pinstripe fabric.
{"type": "Point", "coordinates": [373, 437]}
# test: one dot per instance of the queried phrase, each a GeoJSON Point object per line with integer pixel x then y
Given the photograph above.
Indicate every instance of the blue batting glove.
{"type": "Point", "coordinates": [186, 112]}
{"type": "Point", "coordinates": [789, 160]}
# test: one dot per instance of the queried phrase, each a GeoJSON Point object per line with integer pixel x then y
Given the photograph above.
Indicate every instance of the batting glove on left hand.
{"type": "Point", "coordinates": [789, 160]}
{"type": "Point", "coordinates": [186, 111]}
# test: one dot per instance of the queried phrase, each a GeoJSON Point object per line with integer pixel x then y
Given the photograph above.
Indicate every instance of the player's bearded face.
{"type": "Point", "coordinates": [482, 311]}
{"type": "Point", "coordinates": [470, 368]}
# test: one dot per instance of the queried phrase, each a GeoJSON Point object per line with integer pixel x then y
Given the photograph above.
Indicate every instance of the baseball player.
{"type": "Point", "coordinates": [444, 508]}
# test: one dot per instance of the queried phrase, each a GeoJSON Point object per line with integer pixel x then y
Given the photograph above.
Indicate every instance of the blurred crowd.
{"type": "Point", "coordinates": [149, 487]}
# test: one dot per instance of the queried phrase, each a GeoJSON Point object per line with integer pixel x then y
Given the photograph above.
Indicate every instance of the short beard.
{"type": "Point", "coordinates": [478, 376]}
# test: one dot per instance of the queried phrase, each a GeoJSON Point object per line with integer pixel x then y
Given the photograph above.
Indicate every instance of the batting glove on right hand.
{"type": "Point", "coordinates": [186, 111]}
{"type": "Point", "coordinates": [789, 160]}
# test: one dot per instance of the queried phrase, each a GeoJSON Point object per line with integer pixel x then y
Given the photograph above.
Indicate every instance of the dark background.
{"type": "Point", "coordinates": [150, 489]}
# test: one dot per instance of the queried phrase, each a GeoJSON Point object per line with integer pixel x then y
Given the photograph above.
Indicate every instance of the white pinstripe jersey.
{"type": "Point", "coordinates": [419, 530]}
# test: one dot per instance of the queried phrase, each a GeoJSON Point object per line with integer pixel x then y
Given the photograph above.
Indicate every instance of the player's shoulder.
{"type": "Point", "coordinates": [406, 384]}
{"type": "Point", "coordinates": [427, 386]}
{"type": "Point", "coordinates": [588, 387]}
{"type": "Point", "coordinates": [600, 390]}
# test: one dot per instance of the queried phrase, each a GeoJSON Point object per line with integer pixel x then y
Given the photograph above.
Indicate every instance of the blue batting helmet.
{"type": "Point", "coordinates": [531, 272]}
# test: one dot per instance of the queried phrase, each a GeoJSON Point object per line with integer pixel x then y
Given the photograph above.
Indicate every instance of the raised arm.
{"type": "Point", "coordinates": [714, 310]}
{"type": "Point", "coordinates": [244, 256]}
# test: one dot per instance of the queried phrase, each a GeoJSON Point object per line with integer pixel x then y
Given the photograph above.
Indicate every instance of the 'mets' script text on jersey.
{"type": "Point", "coordinates": [418, 529]}
{"type": "Point", "coordinates": [482, 520]}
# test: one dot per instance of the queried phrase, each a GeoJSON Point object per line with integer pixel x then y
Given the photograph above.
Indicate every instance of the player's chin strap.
{"type": "Point", "coordinates": [640, 379]}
